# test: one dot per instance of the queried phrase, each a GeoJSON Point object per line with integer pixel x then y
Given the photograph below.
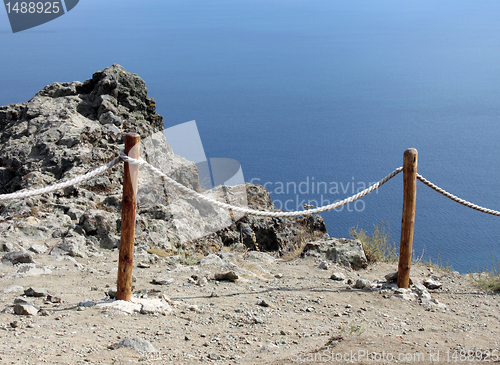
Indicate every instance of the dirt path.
{"type": "Point", "coordinates": [310, 318]}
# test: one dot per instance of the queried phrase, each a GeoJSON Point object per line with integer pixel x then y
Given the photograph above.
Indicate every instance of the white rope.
{"type": "Point", "coordinates": [455, 198]}
{"type": "Point", "coordinates": [154, 170]}
{"type": "Point", "coordinates": [207, 199]}
{"type": "Point", "coordinates": [49, 189]}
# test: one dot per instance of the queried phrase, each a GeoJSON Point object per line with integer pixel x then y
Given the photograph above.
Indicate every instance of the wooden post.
{"type": "Point", "coordinates": [410, 159]}
{"type": "Point", "coordinates": [126, 261]}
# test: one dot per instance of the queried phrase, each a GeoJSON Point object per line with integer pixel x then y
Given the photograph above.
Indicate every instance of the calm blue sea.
{"type": "Point", "coordinates": [328, 92]}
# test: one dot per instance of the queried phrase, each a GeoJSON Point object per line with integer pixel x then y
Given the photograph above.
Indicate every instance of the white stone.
{"type": "Point", "coordinates": [25, 309]}
{"type": "Point", "coordinates": [260, 256]}
{"type": "Point", "coordinates": [121, 305]}
{"type": "Point", "coordinates": [12, 289]}
{"type": "Point", "coordinates": [31, 270]}
{"type": "Point", "coordinates": [39, 249]}
{"type": "Point", "coordinates": [268, 347]}
{"type": "Point", "coordinates": [211, 260]}
{"type": "Point", "coordinates": [137, 344]}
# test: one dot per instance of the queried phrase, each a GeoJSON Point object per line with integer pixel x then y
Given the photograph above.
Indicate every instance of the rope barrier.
{"type": "Point", "coordinates": [49, 189]}
{"type": "Point", "coordinates": [455, 198]}
{"type": "Point", "coordinates": [154, 170]}
{"type": "Point", "coordinates": [207, 199]}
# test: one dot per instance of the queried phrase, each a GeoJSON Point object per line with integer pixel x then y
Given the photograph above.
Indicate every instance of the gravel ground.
{"type": "Point", "coordinates": [276, 312]}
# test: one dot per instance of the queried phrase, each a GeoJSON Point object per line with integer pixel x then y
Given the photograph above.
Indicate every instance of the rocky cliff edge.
{"type": "Point", "coordinates": [66, 130]}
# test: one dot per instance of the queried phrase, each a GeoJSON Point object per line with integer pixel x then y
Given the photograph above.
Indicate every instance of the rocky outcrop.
{"type": "Point", "coordinates": [66, 130]}
{"type": "Point", "coordinates": [343, 251]}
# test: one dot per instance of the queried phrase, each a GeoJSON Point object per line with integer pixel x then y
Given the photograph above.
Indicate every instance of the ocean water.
{"type": "Point", "coordinates": [324, 96]}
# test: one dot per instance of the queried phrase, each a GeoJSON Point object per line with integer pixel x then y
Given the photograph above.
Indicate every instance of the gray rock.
{"type": "Point", "coordinates": [425, 298]}
{"type": "Point", "coordinates": [7, 247]}
{"type": "Point", "coordinates": [392, 276]}
{"type": "Point", "coordinates": [112, 129]}
{"type": "Point", "coordinates": [260, 257]}
{"type": "Point", "coordinates": [21, 300]}
{"type": "Point", "coordinates": [53, 299]}
{"type": "Point", "coordinates": [203, 281]}
{"type": "Point", "coordinates": [211, 260]}
{"type": "Point", "coordinates": [127, 307]}
{"type": "Point", "coordinates": [194, 308]}
{"type": "Point", "coordinates": [363, 284]}
{"type": "Point", "coordinates": [35, 292]}
{"type": "Point", "coordinates": [226, 276]}
{"type": "Point", "coordinates": [390, 286]}
{"type": "Point", "coordinates": [343, 251]}
{"type": "Point", "coordinates": [63, 137]}
{"type": "Point", "coordinates": [432, 284]}
{"type": "Point", "coordinates": [406, 294]}
{"type": "Point", "coordinates": [103, 225]}
{"type": "Point", "coordinates": [18, 257]}
{"type": "Point", "coordinates": [148, 309]}
{"type": "Point", "coordinates": [257, 320]}
{"type": "Point", "coordinates": [338, 276]}
{"type": "Point", "coordinates": [137, 344]}
{"type": "Point", "coordinates": [283, 235]}
{"type": "Point", "coordinates": [86, 303]}
{"type": "Point", "coordinates": [419, 287]}
{"type": "Point", "coordinates": [268, 347]}
{"type": "Point", "coordinates": [32, 270]}
{"type": "Point", "coordinates": [25, 309]}
{"type": "Point", "coordinates": [162, 281]}
{"type": "Point", "coordinates": [12, 289]}
{"type": "Point", "coordinates": [33, 229]}
{"type": "Point", "coordinates": [323, 265]}
{"type": "Point", "coordinates": [75, 213]}
{"type": "Point", "coordinates": [263, 303]}
{"type": "Point", "coordinates": [109, 117]}
{"type": "Point", "coordinates": [402, 291]}
{"type": "Point", "coordinates": [72, 246]}
{"type": "Point", "coordinates": [38, 249]}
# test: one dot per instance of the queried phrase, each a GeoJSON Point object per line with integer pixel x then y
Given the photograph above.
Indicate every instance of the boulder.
{"type": "Point", "coordinates": [35, 292]}
{"type": "Point", "coordinates": [72, 246]}
{"type": "Point", "coordinates": [363, 284]}
{"type": "Point", "coordinates": [344, 251]}
{"type": "Point", "coordinates": [18, 257]}
{"type": "Point", "coordinates": [32, 270]}
{"type": "Point", "coordinates": [25, 309]}
{"type": "Point", "coordinates": [337, 276]}
{"type": "Point", "coordinates": [135, 343]}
